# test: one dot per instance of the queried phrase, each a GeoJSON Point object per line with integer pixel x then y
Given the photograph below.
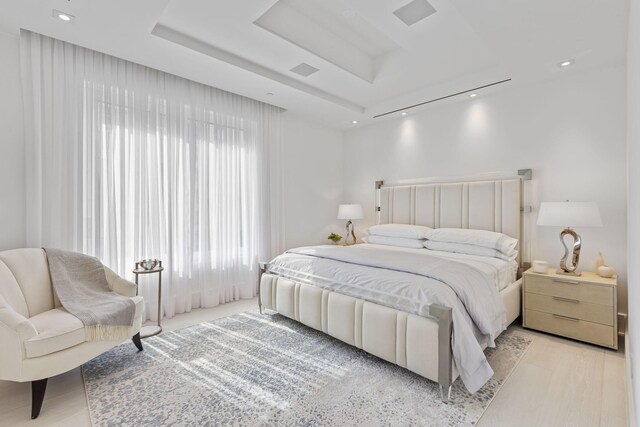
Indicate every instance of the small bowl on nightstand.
{"type": "Point", "coordinates": [606, 271]}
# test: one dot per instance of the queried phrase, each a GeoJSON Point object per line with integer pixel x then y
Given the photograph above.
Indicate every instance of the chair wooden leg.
{"type": "Point", "coordinates": [37, 396]}
{"type": "Point", "coordinates": [136, 341]}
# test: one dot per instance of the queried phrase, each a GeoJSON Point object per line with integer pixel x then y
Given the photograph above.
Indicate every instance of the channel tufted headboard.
{"type": "Point", "coordinates": [489, 202]}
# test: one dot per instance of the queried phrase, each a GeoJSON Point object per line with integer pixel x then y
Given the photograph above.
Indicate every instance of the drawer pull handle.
{"type": "Point", "coordinates": [569, 282]}
{"type": "Point", "coordinates": [566, 318]}
{"type": "Point", "coordinates": [575, 301]}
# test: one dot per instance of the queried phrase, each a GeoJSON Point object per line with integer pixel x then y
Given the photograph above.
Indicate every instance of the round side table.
{"type": "Point", "coordinates": [149, 331]}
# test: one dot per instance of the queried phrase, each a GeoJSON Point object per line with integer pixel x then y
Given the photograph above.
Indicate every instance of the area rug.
{"type": "Point", "coordinates": [266, 370]}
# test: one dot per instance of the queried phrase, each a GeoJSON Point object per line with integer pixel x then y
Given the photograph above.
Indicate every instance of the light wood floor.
{"type": "Point", "coordinates": [561, 382]}
{"type": "Point", "coordinates": [557, 383]}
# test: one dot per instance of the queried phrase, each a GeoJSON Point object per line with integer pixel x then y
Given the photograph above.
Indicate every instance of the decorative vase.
{"type": "Point", "coordinates": [599, 261]}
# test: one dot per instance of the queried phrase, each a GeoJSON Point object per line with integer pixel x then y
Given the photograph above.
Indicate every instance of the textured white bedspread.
{"type": "Point", "coordinates": [410, 280]}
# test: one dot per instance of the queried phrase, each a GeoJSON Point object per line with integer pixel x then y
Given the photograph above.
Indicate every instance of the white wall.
{"type": "Point", "coordinates": [570, 131]}
{"type": "Point", "coordinates": [313, 163]}
{"type": "Point", "coordinates": [633, 158]}
{"type": "Point", "coordinates": [12, 184]}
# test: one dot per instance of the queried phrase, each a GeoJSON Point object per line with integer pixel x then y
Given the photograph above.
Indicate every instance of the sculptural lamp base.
{"type": "Point", "coordinates": [570, 269]}
{"type": "Point", "coordinates": [351, 236]}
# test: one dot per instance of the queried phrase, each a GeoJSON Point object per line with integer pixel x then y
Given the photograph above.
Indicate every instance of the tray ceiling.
{"type": "Point", "coordinates": [368, 60]}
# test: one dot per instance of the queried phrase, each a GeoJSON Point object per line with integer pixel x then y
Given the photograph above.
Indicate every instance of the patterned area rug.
{"type": "Point", "coordinates": [253, 370]}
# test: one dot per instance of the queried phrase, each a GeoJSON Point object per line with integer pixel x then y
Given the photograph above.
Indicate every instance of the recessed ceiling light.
{"type": "Point", "coordinates": [473, 95]}
{"type": "Point", "coordinates": [404, 113]}
{"type": "Point", "coordinates": [62, 16]}
{"type": "Point", "coordinates": [355, 122]}
{"type": "Point", "coordinates": [567, 63]}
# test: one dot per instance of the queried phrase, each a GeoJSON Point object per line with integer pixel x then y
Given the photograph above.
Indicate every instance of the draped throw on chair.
{"type": "Point", "coordinates": [126, 162]}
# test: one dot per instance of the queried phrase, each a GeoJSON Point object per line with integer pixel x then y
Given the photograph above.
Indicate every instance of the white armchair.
{"type": "Point", "coordinates": [39, 338]}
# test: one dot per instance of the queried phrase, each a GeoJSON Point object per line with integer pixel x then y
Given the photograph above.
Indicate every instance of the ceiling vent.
{"type": "Point", "coordinates": [304, 69]}
{"type": "Point", "coordinates": [415, 11]}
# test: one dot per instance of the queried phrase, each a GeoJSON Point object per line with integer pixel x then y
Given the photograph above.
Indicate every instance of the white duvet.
{"type": "Point", "coordinates": [411, 280]}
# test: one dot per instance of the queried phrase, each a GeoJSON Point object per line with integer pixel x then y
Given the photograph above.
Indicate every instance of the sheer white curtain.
{"type": "Point", "coordinates": [126, 162]}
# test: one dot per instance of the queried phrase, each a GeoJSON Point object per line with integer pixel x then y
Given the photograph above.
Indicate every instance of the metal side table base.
{"type": "Point", "coordinates": [150, 330]}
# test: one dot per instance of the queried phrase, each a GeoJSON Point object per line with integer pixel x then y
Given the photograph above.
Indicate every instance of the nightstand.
{"type": "Point", "coordinates": [580, 307]}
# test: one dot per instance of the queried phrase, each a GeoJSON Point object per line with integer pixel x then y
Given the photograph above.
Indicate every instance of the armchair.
{"type": "Point", "coordinates": [39, 338]}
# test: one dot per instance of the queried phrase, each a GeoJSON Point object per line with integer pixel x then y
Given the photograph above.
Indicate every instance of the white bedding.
{"type": "Point", "coordinates": [411, 280]}
{"type": "Point", "coordinates": [484, 238]}
{"type": "Point", "coordinates": [507, 267]}
{"type": "Point", "coordinates": [401, 242]}
{"type": "Point", "coordinates": [407, 231]}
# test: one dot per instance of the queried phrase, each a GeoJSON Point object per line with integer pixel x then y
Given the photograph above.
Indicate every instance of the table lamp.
{"type": "Point", "coordinates": [569, 214]}
{"type": "Point", "coordinates": [350, 212]}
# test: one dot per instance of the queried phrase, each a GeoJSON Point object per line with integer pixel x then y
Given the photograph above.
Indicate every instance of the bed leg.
{"type": "Point", "coordinates": [444, 315]}
{"type": "Point", "coordinates": [445, 397]}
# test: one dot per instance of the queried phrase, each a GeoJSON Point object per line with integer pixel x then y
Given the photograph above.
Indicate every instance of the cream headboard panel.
{"type": "Point", "coordinates": [493, 205]}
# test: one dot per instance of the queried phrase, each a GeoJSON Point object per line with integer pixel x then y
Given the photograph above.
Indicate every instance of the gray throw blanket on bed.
{"type": "Point", "coordinates": [81, 286]}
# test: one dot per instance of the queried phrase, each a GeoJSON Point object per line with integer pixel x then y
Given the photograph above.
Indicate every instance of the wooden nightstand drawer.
{"type": "Point", "coordinates": [575, 308]}
{"type": "Point", "coordinates": [580, 307]}
{"type": "Point", "coordinates": [573, 328]}
{"type": "Point", "coordinates": [570, 288]}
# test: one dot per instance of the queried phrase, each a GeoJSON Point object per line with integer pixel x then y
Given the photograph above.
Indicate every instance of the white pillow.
{"type": "Point", "coordinates": [463, 248]}
{"type": "Point", "coordinates": [399, 230]}
{"type": "Point", "coordinates": [484, 238]}
{"type": "Point", "coordinates": [394, 241]}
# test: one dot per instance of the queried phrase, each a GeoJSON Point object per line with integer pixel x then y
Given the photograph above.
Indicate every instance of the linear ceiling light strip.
{"type": "Point", "coordinates": [441, 98]}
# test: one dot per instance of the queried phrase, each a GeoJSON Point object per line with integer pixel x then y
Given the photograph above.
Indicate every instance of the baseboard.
{"type": "Point", "coordinates": [631, 412]}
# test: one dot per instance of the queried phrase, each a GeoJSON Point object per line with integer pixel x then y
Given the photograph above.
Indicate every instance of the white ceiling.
{"type": "Point", "coordinates": [369, 61]}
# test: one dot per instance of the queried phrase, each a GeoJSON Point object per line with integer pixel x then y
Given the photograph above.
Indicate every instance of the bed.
{"type": "Point", "coordinates": [373, 297]}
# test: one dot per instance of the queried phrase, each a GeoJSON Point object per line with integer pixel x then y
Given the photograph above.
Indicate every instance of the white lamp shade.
{"type": "Point", "coordinates": [350, 211]}
{"type": "Point", "coordinates": [569, 214]}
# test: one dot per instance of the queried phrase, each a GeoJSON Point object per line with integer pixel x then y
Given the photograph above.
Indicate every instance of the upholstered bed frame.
{"type": "Point", "coordinates": [421, 344]}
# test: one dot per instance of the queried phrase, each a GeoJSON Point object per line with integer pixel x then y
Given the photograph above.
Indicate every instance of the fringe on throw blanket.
{"type": "Point", "coordinates": [107, 332]}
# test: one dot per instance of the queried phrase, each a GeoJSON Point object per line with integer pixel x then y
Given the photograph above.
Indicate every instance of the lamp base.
{"type": "Point", "coordinates": [351, 236]}
{"type": "Point", "coordinates": [568, 273]}
{"type": "Point", "coordinates": [573, 265]}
